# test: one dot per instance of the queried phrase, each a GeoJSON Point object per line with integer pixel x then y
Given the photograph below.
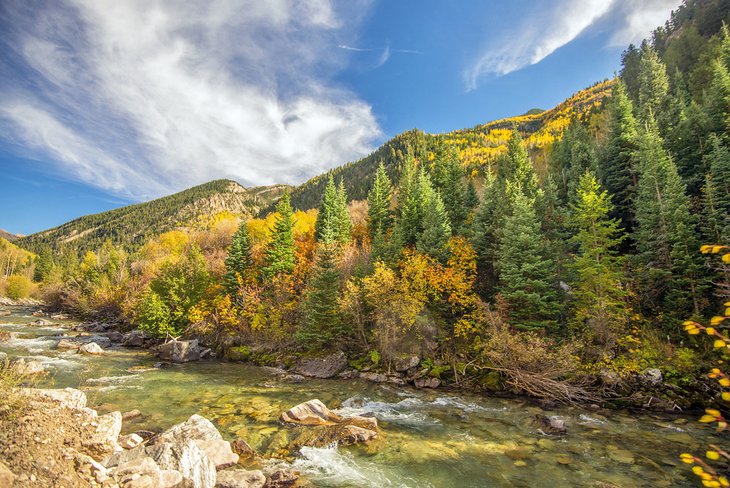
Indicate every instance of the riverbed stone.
{"type": "Point", "coordinates": [130, 441]}
{"type": "Point", "coordinates": [104, 440]}
{"type": "Point", "coordinates": [312, 412]}
{"type": "Point", "coordinates": [404, 363]}
{"type": "Point", "coordinates": [132, 414]}
{"type": "Point", "coordinates": [240, 478]}
{"type": "Point", "coordinates": [282, 479]}
{"type": "Point", "coordinates": [28, 368]}
{"type": "Point", "coordinates": [92, 349]}
{"type": "Point", "coordinates": [66, 397]}
{"type": "Point", "coordinates": [196, 427]}
{"type": "Point", "coordinates": [41, 323]}
{"type": "Point", "coordinates": [218, 451]}
{"type": "Point", "coordinates": [135, 338]}
{"type": "Point", "coordinates": [197, 470]}
{"type": "Point", "coordinates": [427, 382]}
{"type": "Point", "coordinates": [180, 351]}
{"type": "Point", "coordinates": [323, 367]}
{"type": "Point", "coordinates": [243, 449]}
{"type": "Point", "coordinates": [115, 337]}
{"type": "Point", "coordinates": [67, 345]}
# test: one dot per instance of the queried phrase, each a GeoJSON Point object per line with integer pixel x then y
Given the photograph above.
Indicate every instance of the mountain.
{"type": "Point", "coordinates": [132, 225]}
{"type": "Point", "coordinates": [8, 236]}
{"type": "Point", "coordinates": [478, 147]}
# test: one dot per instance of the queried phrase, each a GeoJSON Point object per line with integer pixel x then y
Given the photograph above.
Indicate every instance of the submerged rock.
{"type": "Point", "coordinates": [67, 345]}
{"type": "Point", "coordinates": [244, 451]}
{"type": "Point", "coordinates": [550, 425]}
{"type": "Point", "coordinates": [240, 478]}
{"type": "Point", "coordinates": [40, 323]}
{"type": "Point", "coordinates": [180, 351]}
{"type": "Point", "coordinates": [132, 414]}
{"type": "Point", "coordinates": [91, 348]}
{"type": "Point", "coordinates": [323, 367]}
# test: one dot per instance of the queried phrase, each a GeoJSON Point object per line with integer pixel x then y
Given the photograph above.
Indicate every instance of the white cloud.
{"type": "Point", "coordinates": [544, 32]}
{"type": "Point", "coordinates": [146, 97]}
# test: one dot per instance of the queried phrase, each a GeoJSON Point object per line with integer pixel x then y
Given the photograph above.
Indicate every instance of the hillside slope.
{"type": "Point", "coordinates": [478, 147]}
{"type": "Point", "coordinates": [7, 235]}
{"type": "Point", "coordinates": [130, 226]}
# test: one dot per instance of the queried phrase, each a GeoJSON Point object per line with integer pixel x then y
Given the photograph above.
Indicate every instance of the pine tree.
{"type": "Point", "coordinates": [43, 265]}
{"type": "Point", "coordinates": [517, 167]}
{"type": "Point", "coordinates": [653, 84]}
{"type": "Point", "coordinates": [471, 201]}
{"type": "Point", "coordinates": [411, 201]}
{"type": "Point", "coordinates": [526, 275]}
{"type": "Point", "coordinates": [631, 62]}
{"type": "Point", "coordinates": [326, 226]}
{"type": "Point", "coordinates": [486, 231]}
{"type": "Point", "coordinates": [343, 224]}
{"type": "Point", "coordinates": [323, 326]}
{"type": "Point", "coordinates": [280, 250]}
{"type": "Point", "coordinates": [447, 178]}
{"type": "Point", "coordinates": [717, 99]}
{"type": "Point", "coordinates": [239, 264]}
{"type": "Point", "coordinates": [379, 216]}
{"type": "Point", "coordinates": [616, 168]}
{"type": "Point", "coordinates": [436, 232]}
{"type": "Point", "coordinates": [665, 231]}
{"type": "Point", "coordinates": [599, 290]}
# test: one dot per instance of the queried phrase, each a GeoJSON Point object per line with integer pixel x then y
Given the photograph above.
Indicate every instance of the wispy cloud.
{"type": "Point", "coordinates": [546, 31]}
{"type": "Point", "coordinates": [385, 52]}
{"type": "Point", "coordinates": [142, 98]}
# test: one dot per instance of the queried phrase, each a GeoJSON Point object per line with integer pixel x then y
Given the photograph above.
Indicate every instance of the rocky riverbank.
{"type": "Point", "coordinates": [53, 438]}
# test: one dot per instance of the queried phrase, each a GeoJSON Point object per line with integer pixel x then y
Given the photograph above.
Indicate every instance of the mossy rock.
{"type": "Point", "coordinates": [492, 381]}
{"type": "Point", "coordinates": [239, 353]}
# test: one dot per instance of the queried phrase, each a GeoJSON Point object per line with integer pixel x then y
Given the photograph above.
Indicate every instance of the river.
{"type": "Point", "coordinates": [430, 438]}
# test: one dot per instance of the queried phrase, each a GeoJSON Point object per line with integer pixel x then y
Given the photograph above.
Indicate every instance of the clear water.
{"type": "Point", "coordinates": [429, 438]}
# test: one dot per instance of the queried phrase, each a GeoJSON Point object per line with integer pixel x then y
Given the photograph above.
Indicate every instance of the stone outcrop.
{"type": "Point", "coordinates": [104, 440]}
{"type": "Point", "coordinates": [323, 367]}
{"type": "Point", "coordinates": [180, 351]}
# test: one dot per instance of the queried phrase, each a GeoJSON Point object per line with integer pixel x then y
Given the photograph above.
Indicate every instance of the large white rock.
{"type": "Point", "coordinates": [312, 412]}
{"type": "Point", "coordinates": [195, 428]}
{"type": "Point", "coordinates": [197, 470]}
{"type": "Point", "coordinates": [28, 368]}
{"type": "Point", "coordinates": [66, 397]}
{"type": "Point", "coordinates": [104, 440]}
{"type": "Point", "coordinates": [219, 451]}
{"type": "Point", "coordinates": [92, 348]}
{"type": "Point", "coordinates": [180, 351]}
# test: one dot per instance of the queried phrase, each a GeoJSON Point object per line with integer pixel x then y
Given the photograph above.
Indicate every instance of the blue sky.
{"type": "Point", "coordinates": [104, 103]}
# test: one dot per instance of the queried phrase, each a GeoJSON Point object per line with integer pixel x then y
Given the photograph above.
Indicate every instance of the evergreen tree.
{"type": "Point", "coordinates": [653, 84]}
{"type": "Point", "coordinates": [631, 62]}
{"type": "Point", "coordinates": [412, 197]}
{"type": "Point", "coordinates": [239, 264]}
{"type": "Point", "coordinates": [717, 99]}
{"type": "Point", "coordinates": [617, 169]}
{"type": "Point", "coordinates": [323, 326]}
{"type": "Point", "coordinates": [326, 226]}
{"type": "Point", "coordinates": [716, 194]}
{"type": "Point", "coordinates": [471, 201]}
{"type": "Point", "coordinates": [379, 216]}
{"type": "Point", "coordinates": [343, 224]}
{"type": "Point", "coordinates": [280, 250]}
{"type": "Point", "coordinates": [486, 231]}
{"type": "Point", "coordinates": [43, 265]}
{"type": "Point", "coordinates": [448, 179]}
{"type": "Point", "coordinates": [600, 290]}
{"type": "Point", "coordinates": [517, 168]}
{"type": "Point", "coordinates": [436, 232]}
{"type": "Point", "coordinates": [526, 275]}
{"type": "Point", "coordinates": [664, 235]}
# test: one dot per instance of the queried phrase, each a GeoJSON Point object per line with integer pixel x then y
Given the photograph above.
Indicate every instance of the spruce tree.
{"type": "Point", "coordinates": [600, 287]}
{"type": "Point", "coordinates": [526, 276]}
{"type": "Point", "coordinates": [323, 325]}
{"type": "Point", "coordinates": [517, 167]}
{"type": "Point", "coordinates": [448, 180]}
{"type": "Point", "coordinates": [280, 250]}
{"type": "Point", "coordinates": [487, 228]}
{"type": "Point", "coordinates": [411, 201]}
{"type": "Point", "coordinates": [379, 216]}
{"type": "Point", "coordinates": [239, 264]}
{"type": "Point", "coordinates": [343, 224]}
{"type": "Point", "coordinates": [665, 232]}
{"type": "Point", "coordinates": [617, 167]}
{"type": "Point", "coordinates": [326, 227]}
{"type": "Point", "coordinates": [436, 232]}
{"type": "Point", "coordinates": [43, 265]}
{"type": "Point", "coordinates": [653, 84]}
{"type": "Point", "coordinates": [716, 194]}
{"type": "Point", "coordinates": [471, 201]}
{"type": "Point", "coordinates": [717, 99]}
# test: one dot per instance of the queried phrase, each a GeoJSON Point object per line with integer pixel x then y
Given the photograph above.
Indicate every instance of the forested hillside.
{"type": "Point", "coordinates": [129, 227]}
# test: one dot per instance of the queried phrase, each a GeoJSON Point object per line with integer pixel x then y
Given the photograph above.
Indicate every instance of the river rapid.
{"type": "Point", "coordinates": [429, 438]}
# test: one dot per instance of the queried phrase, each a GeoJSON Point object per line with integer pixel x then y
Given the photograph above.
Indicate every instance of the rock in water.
{"type": "Point", "coordinates": [244, 451]}
{"type": "Point", "coordinates": [240, 478]}
{"type": "Point", "coordinates": [41, 323]}
{"type": "Point", "coordinates": [180, 351]}
{"type": "Point", "coordinates": [194, 428]}
{"type": "Point", "coordinates": [218, 451]}
{"type": "Point", "coordinates": [313, 412]}
{"type": "Point", "coordinates": [66, 345]}
{"type": "Point", "coordinates": [135, 338]}
{"type": "Point", "coordinates": [28, 368]}
{"type": "Point", "coordinates": [92, 348]}
{"type": "Point", "coordinates": [323, 367]}
{"type": "Point", "coordinates": [550, 425]}
{"type": "Point", "coordinates": [427, 382]}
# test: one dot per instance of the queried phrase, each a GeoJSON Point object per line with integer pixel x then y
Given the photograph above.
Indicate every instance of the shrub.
{"type": "Point", "coordinates": [18, 287]}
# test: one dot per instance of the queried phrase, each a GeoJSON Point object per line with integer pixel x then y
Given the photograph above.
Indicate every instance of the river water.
{"type": "Point", "coordinates": [429, 438]}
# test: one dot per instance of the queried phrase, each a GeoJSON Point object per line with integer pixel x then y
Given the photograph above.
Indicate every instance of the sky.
{"type": "Point", "coordinates": [105, 103]}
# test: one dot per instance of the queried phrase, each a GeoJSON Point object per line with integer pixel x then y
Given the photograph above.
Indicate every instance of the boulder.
{"type": "Point", "coordinates": [652, 377]}
{"type": "Point", "coordinates": [41, 323]}
{"type": "Point", "coordinates": [104, 440]}
{"type": "Point", "coordinates": [218, 451]}
{"type": "Point", "coordinates": [92, 348]}
{"type": "Point", "coordinates": [28, 368]}
{"type": "Point", "coordinates": [427, 382]}
{"type": "Point", "coordinates": [323, 367]}
{"type": "Point", "coordinates": [240, 478]}
{"type": "Point", "coordinates": [136, 338]}
{"type": "Point", "coordinates": [67, 345]}
{"type": "Point", "coordinates": [115, 336]}
{"type": "Point", "coordinates": [550, 425]}
{"type": "Point", "coordinates": [130, 441]}
{"type": "Point", "coordinates": [39, 313]}
{"type": "Point", "coordinates": [144, 472]}
{"type": "Point", "coordinates": [180, 351]}
{"type": "Point", "coordinates": [352, 434]}
{"type": "Point", "coordinates": [102, 341]}
{"type": "Point", "coordinates": [132, 414]}
{"type": "Point", "coordinates": [7, 478]}
{"type": "Point", "coordinates": [282, 479]}
{"type": "Point", "coordinates": [313, 412]}
{"type": "Point", "coordinates": [194, 428]}
{"type": "Point", "coordinates": [66, 397]}
{"type": "Point", "coordinates": [197, 470]}
{"type": "Point", "coordinates": [404, 363]}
